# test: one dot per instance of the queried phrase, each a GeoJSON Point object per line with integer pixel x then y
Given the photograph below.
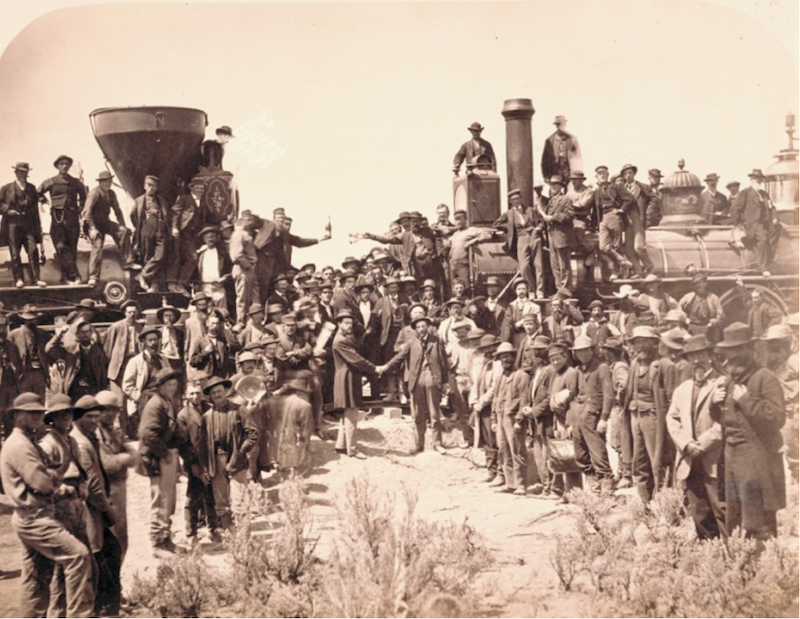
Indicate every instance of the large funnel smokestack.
{"type": "Point", "coordinates": [519, 147]}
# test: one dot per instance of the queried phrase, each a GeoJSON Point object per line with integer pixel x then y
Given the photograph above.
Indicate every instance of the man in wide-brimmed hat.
{"type": "Point", "coordinates": [67, 199]}
{"type": "Point", "coordinates": [562, 151]}
{"type": "Point", "coordinates": [753, 210]}
{"type": "Point", "coordinates": [100, 202]}
{"type": "Point", "coordinates": [698, 439]}
{"type": "Point", "coordinates": [619, 435]}
{"type": "Point", "coordinates": [715, 205]}
{"type": "Point", "coordinates": [139, 378]}
{"type": "Point", "coordinates": [474, 147]}
{"type": "Point", "coordinates": [31, 342]}
{"type": "Point", "coordinates": [645, 404]}
{"type": "Point", "coordinates": [121, 345]}
{"type": "Point", "coordinates": [172, 336]}
{"type": "Point", "coordinates": [750, 406]}
{"type": "Point", "coordinates": [21, 225]}
{"type": "Point", "coordinates": [703, 308]}
{"type": "Point", "coordinates": [85, 370]}
{"type": "Point", "coordinates": [29, 485]}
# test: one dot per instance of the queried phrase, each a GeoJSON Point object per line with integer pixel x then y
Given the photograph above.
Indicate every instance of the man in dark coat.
{"type": "Point", "coordinates": [753, 210]}
{"type": "Point", "coordinates": [524, 229]}
{"type": "Point", "coordinates": [562, 152]}
{"type": "Point", "coordinates": [85, 368]}
{"type": "Point", "coordinates": [750, 407]}
{"type": "Point", "coordinates": [21, 226]}
{"type": "Point", "coordinates": [67, 195]}
{"type": "Point", "coordinates": [97, 222]}
{"type": "Point", "coordinates": [558, 216]}
{"type": "Point", "coordinates": [10, 368]}
{"type": "Point", "coordinates": [475, 147]}
{"type": "Point", "coordinates": [188, 219]}
{"type": "Point", "coordinates": [212, 354]}
{"type": "Point", "coordinates": [152, 221]}
{"type": "Point", "coordinates": [31, 342]}
{"type": "Point", "coordinates": [349, 365]}
{"type": "Point", "coordinates": [635, 241]}
{"type": "Point", "coordinates": [611, 203]}
{"type": "Point", "coordinates": [715, 204]}
{"type": "Point", "coordinates": [418, 253]}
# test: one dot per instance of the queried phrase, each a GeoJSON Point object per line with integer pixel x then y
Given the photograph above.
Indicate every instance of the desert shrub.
{"type": "Point", "coordinates": [388, 562]}
{"type": "Point", "coordinates": [646, 561]}
{"type": "Point", "coordinates": [183, 586]}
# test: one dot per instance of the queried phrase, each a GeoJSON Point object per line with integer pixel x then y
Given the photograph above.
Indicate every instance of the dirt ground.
{"type": "Point", "coordinates": [519, 531]}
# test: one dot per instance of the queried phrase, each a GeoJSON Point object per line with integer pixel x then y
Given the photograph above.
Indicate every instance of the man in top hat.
{"type": "Point", "coordinates": [524, 229]}
{"type": "Point", "coordinates": [562, 152]}
{"type": "Point", "coordinates": [138, 379]}
{"type": "Point", "coordinates": [159, 443]}
{"type": "Point", "coordinates": [21, 225]}
{"type": "Point", "coordinates": [783, 360]}
{"type": "Point", "coordinates": [698, 439]}
{"type": "Point", "coordinates": [31, 342]}
{"type": "Point", "coordinates": [638, 218]}
{"type": "Point", "coordinates": [101, 513]}
{"type": "Point", "coordinates": [231, 436]}
{"type": "Point", "coordinates": [100, 202]}
{"type": "Point", "coordinates": [152, 242]}
{"type": "Point", "coordinates": [188, 219]}
{"type": "Point", "coordinates": [85, 370]}
{"type": "Point", "coordinates": [590, 412]}
{"type": "Point", "coordinates": [67, 197]}
{"type": "Point", "coordinates": [749, 404]}
{"type": "Point", "coordinates": [611, 203]}
{"type": "Point", "coordinates": [703, 308]}
{"type": "Point", "coordinates": [753, 210]}
{"type": "Point", "coordinates": [214, 267]}
{"type": "Point", "coordinates": [10, 368]}
{"type": "Point", "coordinates": [212, 151]}
{"type": "Point", "coordinates": [472, 148]}
{"type": "Point", "coordinates": [559, 215]}
{"type": "Point", "coordinates": [29, 483]}
{"type": "Point", "coordinates": [61, 452]}
{"type": "Point", "coordinates": [645, 404]}
{"type": "Point", "coordinates": [715, 204]}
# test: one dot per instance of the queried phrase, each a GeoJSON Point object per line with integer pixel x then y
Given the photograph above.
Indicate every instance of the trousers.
{"type": "Point", "coordinates": [561, 267]}
{"type": "Point", "coordinates": [636, 243]}
{"type": "Point", "coordinates": [228, 490]}
{"type": "Point", "coordinates": [531, 262]}
{"type": "Point", "coordinates": [643, 464]}
{"type": "Point", "coordinates": [426, 400]}
{"type": "Point", "coordinates": [19, 237]}
{"type": "Point", "coordinates": [590, 446]}
{"type": "Point", "coordinates": [65, 235]}
{"type": "Point", "coordinates": [702, 495]}
{"type": "Point", "coordinates": [121, 236]}
{"type": "Point", "coordinates": [70, 512]}
{"type": "Point", "coordinates": [153, 249]}
{"type": "Point", "coordinates": [489, 440]}
{"type": "Point", "coordinates": [199, 506]}
{"type": "Point", "coordinates": [513, 453]}
{"type": "Point", "coordinates": [163, 491]}
{"type": "Point", "coordinates": [247, 291]}
{"type": "Point", "coordinates": [46, 543]}
{"type": "Point", "coordinates": [346, 438]}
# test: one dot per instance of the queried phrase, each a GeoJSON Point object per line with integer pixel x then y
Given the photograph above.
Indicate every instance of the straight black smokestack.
{"type": "Point", "coordinates": [519, 147]}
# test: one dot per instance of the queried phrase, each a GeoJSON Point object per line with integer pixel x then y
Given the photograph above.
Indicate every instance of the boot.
{"type": "Point", "coordinates": [607, 487]}
{"type": "Point", "coordinates": [593, 484]}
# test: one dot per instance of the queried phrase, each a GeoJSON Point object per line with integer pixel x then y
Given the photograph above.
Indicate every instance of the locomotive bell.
{"type": "Point", "coordinates": [783, 179]}
{"type": "Point", "coordinates": [681, 204]}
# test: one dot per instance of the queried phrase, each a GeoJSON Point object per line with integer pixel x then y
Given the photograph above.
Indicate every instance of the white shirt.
{"type": "Point", "coordinates": [366, 310]}
{"type": "Point", "coordinates": [209, 266]}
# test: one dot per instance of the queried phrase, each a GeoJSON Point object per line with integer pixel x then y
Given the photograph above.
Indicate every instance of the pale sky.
{"type": "Point", "coordinates": [356, 110]}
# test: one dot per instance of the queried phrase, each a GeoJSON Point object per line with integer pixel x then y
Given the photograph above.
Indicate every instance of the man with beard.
{"type": "Point", "coordinates": [455, 309]}
{"type": "Point", "coordinates": [68, 196]}
{"type": "Point", "coordinates": [391, 315]}
{"type": "Point", "coordinates": [749, 404]}
{"type": "Point", "coordinates": [698, 439]}
{"type": "Point", "coordinates": [10, 367]}
{"type": "Point", "coordinates": [507, 419]}
{"type": "Point", "coordinates": [558, 215]}
{"type": "Point", "coordinates": [474, 147]}
{"type": "Point", "coordinates": [31, 342]}
{"type": "Point", "coordinates": [753, 210]}
{"type": "Point", "coordinates": [647, 398]}
{"type": "Point", "coordinates": [212, 354]}
{"type": "Point", "coordinates": [214, 267]}
{"type": "Point", "coordinates": [172, 336]}
{"type": "Point", "coordinates": [21, 225]}
{"type": "Point", "coordinates": [563, 316]}
{"type": "Point", "coordinates": [121, 345]}
{"type": "Point", "coordinates": [513, 328]}
{"type": "Point", "coordinates": [101, 513]}
{"type": "Point", "coordinates": [85, 370]}
{"type": "Point", "coordinates": [195, 325]}
{"type": "Point", "coordinates": [485, 372]}
{"type": "Point", "coordinates": [619, 434]}
{"type": "Point", "coordinates": [715, 204]}
{"type": "Point", "coordinates": [562, 152]}
{"type": "Point", "coordinates": [703, 309]}
{"type": "Point", "coordinates": [493, 301]}
{"type": "Point", "coordinates": [151, 219]}
{"type": "Point", "coordinates": [562, 389]}
{"type": "Point", "coordinates": [138, 382]}
{"type": "Point", "coordinates": [659, 300]}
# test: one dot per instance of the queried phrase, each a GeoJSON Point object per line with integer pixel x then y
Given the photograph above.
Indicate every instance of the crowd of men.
{"type": "Point", "coordinates": [235, 386]}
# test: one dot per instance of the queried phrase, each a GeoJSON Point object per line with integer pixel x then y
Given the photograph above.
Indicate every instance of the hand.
{"type": "Point", "coordinates": [517, 426]}
{"type": "Point", "coordinates": [526, 410]}
{"type": "Point", "coordinates": [693, 449]}
{"type": "Point", "coordinates": [110, 517]}
{"type": "Point", "coordinates": [12, 212]}
{"type": "Point", "coordinates": [42, 257]}
{"type": "Point", "coordinates": [739, 281]}
{"type": "Point", "coordinates": [94, 234]}
{"type": "Point", "coordinates": [602, 426]}
{"type": "Point", "coordinates": [208, 349]}
{"type": "Point", "coordinates": [738, 392]}
{"type": "Point", "coordinates": [494, 427]}
{"type": "Point", "coordinates": [719, 394]}
{"type": "Point", "coordinates": [355, 236]}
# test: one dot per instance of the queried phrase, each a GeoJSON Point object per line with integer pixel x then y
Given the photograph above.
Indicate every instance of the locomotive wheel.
{"type": "Point", "coordinates": [736, 311]}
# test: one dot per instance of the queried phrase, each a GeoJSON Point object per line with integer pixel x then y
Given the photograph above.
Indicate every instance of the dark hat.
{"type": "Point", "coordinates": [756, 173]}
{"type": "Point", "coordinates": [596, 303]}
{"type": "Point", "coordinates": [86, 304]}
{"type": "Point", "coordinates": [164, 375]}
{"type": "Point", "coordinates": [105, 175]}
{"type": "Point", "coordinates": [736, 334]}
{"type": "Point", "coordinates": [613, 343]}
{"type": "Point", "coordinates": [27, 402]}
{"type": "Point", "coordinates": [415, 215]}
{"type": "Point", "coordinates": [278, 211]}
{"type": "Point", "coordinates": [289, 319]}
{"type": "Point", "coordinates": [541, 342]}
{"type": "Point", "coordinates": [655, 172]}
{"type": "Point", "coordinates": [493, 280]}
{"type": "Point", "coordinates": [199, 296]}
{"type": "Point", "coordinates": [225, 225]}
{"type": "Point", "coordinates": [167, 308]}
{"type": "Point", "coordinates": [711, 177]}
{"type": "Point", "coordinates": [560, 119]}
{"type": "Point", "coordinates": [629, 166]}
{"type": "Point", "coordinates": [454, 301]}
{"type": "Point", "coordinates": [404, 215]}
{"type": "Point", "coordinates": [275, 308]}
{"type": "Point", "coordinates": [255, 308]}
{"type": "Point", "coordinates": [555, 179]}
{"type": "Point", "coordinates": [59, 403]}
{"type": "Point", "coordinates": [305, 303]}
{"type": "Point", "coordinates": [29, 312]}
{"type": "Point", "coordinates": [476, 126]}
{"type": "Point", "coordinates": [477, 298]}
{"type": "Point", "coordinates": [363, 283]}
{"type": "Point", "coordinates": [732, 184]}
{"type": "Point", "coordinates": [206, 230]}
{"type": "Point", "coordinates": [130, 303]}
{"type": "Point", "coordinates": [279, 277]}
{"type": "Point", "coordinates": [577, 174]}
{"type": "Point", "coordinates": [530, 317]}
{"type": "Point", "coordinates": [348, 274]}
{"type": "Point", "coordinates": [21, 165]}
{"type": "Point", "coordinates": [226, 130]}
{"type": "Point", "coordinates": [199, 181]}
{"type": "Point", "coordinates": [696, 343]}
{"type": "Point", "coordinates": [413, 305]}
{"type": "Point", "coordinates": [309, 265]}
{"type": "Point", "coordinates": [265, 340]}
{"type": "Point", "coordinates": [391, 280]}
{"type": "Point", "coordinates": [350, 260]}
{"type": "Point", "coordinates": [87, 403]}
{"type": "Point", "coordinates": [558, 345]}
{"type": "Point", "coordinates": [699, 277]}
{"type": "Point", "coordinates": [214, 381]}
{"type": "Point", "coordinates": [62, 158]}
{"type": "Point", "coordinates": [148, 331]}
{"type": "Point", "coordinates": [326, 284]}
{"type": "Point", "coordinates": [420, 318]}
{"type": "Point", "coordinates": [601, 168]}
{"type": "Point", "coordinates": [151, 178]}
{"type": "Point", "coordinates": [514, 192]}
{"type": "Point", "coordinates": [343, 313]}
{"type": "Point", "coordinates": [475, 334]}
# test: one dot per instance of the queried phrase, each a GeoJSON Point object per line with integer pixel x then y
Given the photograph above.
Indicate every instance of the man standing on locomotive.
{"type": "Point", "coordinates": [611, 203]}
{"type": "Point", "coordinates": [635, 241]}
{"type": "Point", "coordinates": [68, 196]}
{"type": "Point", "coordinates": [753, 210]}
{"type": "Point", "coordinates": [21, 226]}
{"type": "Point", "coordinates": [151, 219]}
{"type": "Point", "coordinates": [524, 228]}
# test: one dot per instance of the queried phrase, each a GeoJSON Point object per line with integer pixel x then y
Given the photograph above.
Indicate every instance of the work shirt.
{"type": "Point", "coordinates": [27, 481]}
{"type": "Point", "coordinates": [459, 240]}
{"type": "Point", "coordinates": [65, 193]}
{"type": "Point", "coordinates": [643, 399]}
{"type": "Point", "coordinates": [595, 390]}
